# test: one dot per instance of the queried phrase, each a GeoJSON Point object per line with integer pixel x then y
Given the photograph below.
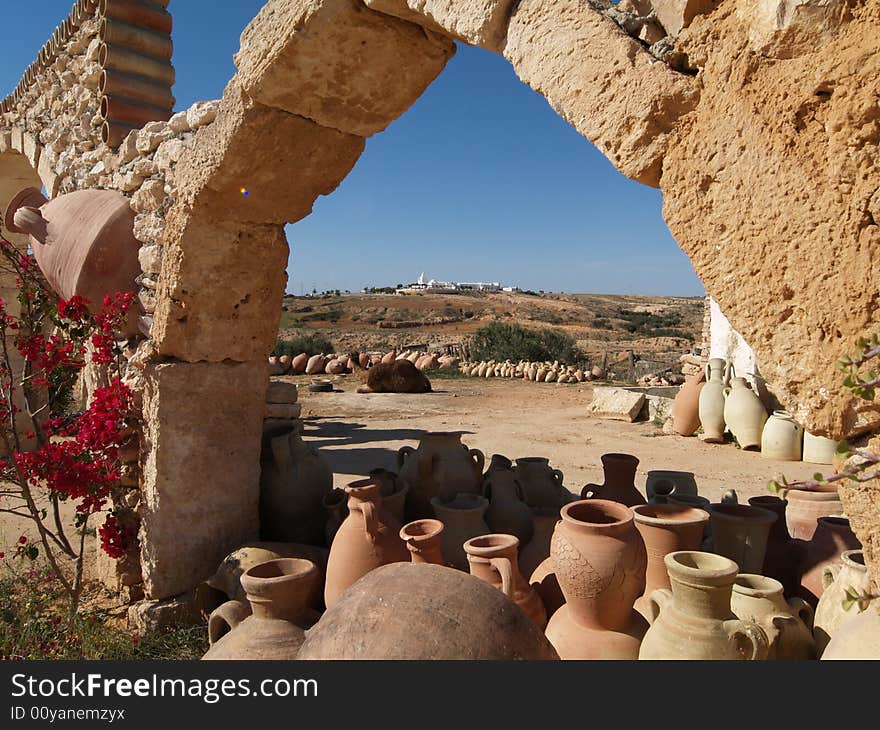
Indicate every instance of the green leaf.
{"type": "Point", "coordinates": [818, 477]}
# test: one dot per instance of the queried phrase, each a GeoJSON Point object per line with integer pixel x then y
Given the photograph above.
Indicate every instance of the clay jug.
{"type": "Point", "coordinates": [546, 584]}
{"type": "Point", "coordinates": [858, 637]}
{"type": "Point", "coordinates": [497, 462]}
{"type": "Point", "coordinates": [393, 491]}
{"type": "Point", "coordinates": [493, 559]}
{"type": "Point", "coordinates": [662, 483]}
{"type": "Point", "coordinates": [441, 467]}
{"type": "Point", "coordinates": [83, 241]}
{"type": "Point", "coordinates": [782, 438]}
{"type": "Point", "coordinates": [463, 518]}
{"type": "Point", "coordinates": [784, 554]}
{"type": "Point", "coordinates": [298, 364]}
{"type": "Point", "coordinates": [666, 528]}
{"type": "Point", "coordinates": [508, 512]}
{"type": "Point", "coordinates": [538, 548]}
{"type": "Point", "coordinates": [274, 625]}
{"type": "Point", "coordinates": [619, 486]}
{"type": "Point", "coordinates": [543, 484]}
{"type": "Point", "coordinates": [294, 480]}
{"type": "Point", "coordinates": [423, 540]}
{"type": "Point", "coordinates": [369, 537]}
{"type": "Point", "coordinates": [806, 507]}
{"type": "Point", "coordinates": [833, 537]}
{"type": "Point", "coordinates": [744, 413]}
{"type": "Point", "coordinates": [686, 407]}
{"type": "Point", "coordinates": [694, 620]}
{"type": "Point", "coordinates": [600, 563]}
{"type": "Point", "coordinates": [741, 532]}
{"type": "Point", "coordinates": [842, 581]}
{"type": "Point", "coordinates": [818, 449]}
{"type": "Point", "coordinates": [787, 624]}
{"type": "Point", "coordinates": [711, 402]}
{"type": "Point", "coordinates": [336, 505]}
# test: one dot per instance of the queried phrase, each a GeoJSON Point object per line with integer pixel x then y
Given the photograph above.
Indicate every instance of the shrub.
{"type": "Point", "coordinates": [501, 341]}
{"type": "Point", "coordinates": [314, 344]}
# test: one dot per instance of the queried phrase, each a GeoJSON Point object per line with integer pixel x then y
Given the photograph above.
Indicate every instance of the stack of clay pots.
{"type": "Point", "coordinates": [541, 372]}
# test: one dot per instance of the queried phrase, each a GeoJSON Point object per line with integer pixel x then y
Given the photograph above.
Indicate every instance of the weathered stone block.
{"type": "Point", "coordinates": [149, 617]}
{"type": "Point", "coordinates": [675, 15]}
{"type": "Point", "coordinates": [282, 392]}
{"type": "Point", "coordinates": [616, 404]}
{"type": "Point", "coordinates": [288, 411]}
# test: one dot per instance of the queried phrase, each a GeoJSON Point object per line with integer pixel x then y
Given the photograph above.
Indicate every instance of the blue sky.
{"type": "Point", "coordinates": [479, 180]}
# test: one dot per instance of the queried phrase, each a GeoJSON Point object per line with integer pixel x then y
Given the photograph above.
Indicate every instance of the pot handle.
{"type": "Point", "coordinates": [371, 521]}
{"type": "Point", "coordinates": [707, 372]}
{"type": "Point", "coordinates": [505, 570]}
{"type": "Point", "coordinates": [479, 459]}
{"type": "Point", "coordinates": [656, 601]}
{"type": "Point", "coordinates": [587, 493]}
{"type": "Point", "coordinates": [402, 453]}
{"type": "Point", "coordinates": [729, 372]}
{"type": "Point", "coordinates": [225, 618]}
{"type": "Point", "coordinates": [520, 490]}
{"type": "Point", "coordinates": [829, 575]}
{"type": "Point", "coordinates": [802, 610]}
{"type": "Point", "coordinates": [558, 477]}
{"type": "Point", "coordinates": [749, 639]}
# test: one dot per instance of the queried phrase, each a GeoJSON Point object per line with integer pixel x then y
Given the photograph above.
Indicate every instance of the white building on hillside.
{"type": "Point", "coordinates": [440, 287]}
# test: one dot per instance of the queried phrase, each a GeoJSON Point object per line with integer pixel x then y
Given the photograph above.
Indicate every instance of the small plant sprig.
{"type": "Point", "coordinates": [862, 600]}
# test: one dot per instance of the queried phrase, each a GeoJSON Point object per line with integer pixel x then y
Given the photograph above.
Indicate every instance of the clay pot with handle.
{"type": "Point", "coordinates": [784, 554]}
{"type": "Point", "coordinates": [619, 485]}
{"type": "Point", "coordinates": [508, 512]}
{"type": "Point", "coordinates": [711, 401]}
{"type": "Point", "coordinates": [543, 485]}
{"type": "Point", "coordinates": [841, 581]}
{"type": "Point", "coordinates": [832, 538]}
{"type": "Point", "coordinates": [423, 539]}
{"type": "Point", "coordinates": [744, 414]}
{"type": "Point", "coordinates": [463, 517]}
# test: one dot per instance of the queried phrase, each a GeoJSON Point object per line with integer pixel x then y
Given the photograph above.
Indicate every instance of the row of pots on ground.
{"type": "Point", "coordinates": [339, 364]}
{"type": "Point", "coordinates": [540, 372]}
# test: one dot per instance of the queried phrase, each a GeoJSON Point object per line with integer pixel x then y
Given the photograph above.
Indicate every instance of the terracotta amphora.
{"type": "Point", "coordinates": [294, 480]}
{"type": "Point", "coordinates": [619, 485]}
{"type": "Point", "coordinates": [661, 483]}
{"type": "Point", "coordinates": [741, 532]}
{"type": "Point", "coordinates": [787, 623]}
{"type": "Point", "coordinates": [600, 563]}
{"type": "Point", "coordinates": [543, 579]}
{"type": "Point", "coordinates": [666, 528]}
{"type": "Point", "coordinates": [369, 537]}
{"type": "Point", "coordinates": [538, 548]}
{"type": "Point", "coordinates": [784, 554]}
{"type": "Point", "coordinates": [393, 491]}
{"type": "Point", "coordinates": [806, 507]}
{"type": "Point", "coordinates": [274, 625]}
{"type": "Point", "coordinates": [686, 407]}
{"type": "Point", "coordinates": [858, 637]}
{"type": "Point", "coordinates": [832, 538]}
{"type": "Point", "coordinates": [782, 438]}
{"type": "Point", "coordinates": [493, 559]}
{"type": "Point", "coordinates": [711, 401]}
{"type": "Point", "coordinates": [694, 620]}
{"type": "Point", "coordinates": [463, 517]}
{"type": "Point", "coordinates": [744, 413]}
{"type": "Point", "coordinates": [842, 581]}
{"type": "Point", "coordinates": [417, 611]}
{"type": "Point", "coordinates": [441, 467]}
{"type": "Point", "coordinates": [508, 512]}
{"type": "Point", "coordinates": [422, 538]}
{"type": "Point", "coordinates": [83, 241]}
{"type": "Point", "coordinates": [542, 483]}
{"type": "Point", "coordinates": [818, 449]}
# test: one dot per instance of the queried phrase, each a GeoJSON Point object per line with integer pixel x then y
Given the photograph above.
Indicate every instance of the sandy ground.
{"type": "Point", "coordinates": [358, 432]}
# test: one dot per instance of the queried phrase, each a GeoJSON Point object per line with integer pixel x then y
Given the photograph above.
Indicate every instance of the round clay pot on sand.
{"type": "Point", "coordinates": [818, 449]}
{"type": "Point", "coordinates": [392, 613]}
{"type": "Point", "coordinates": [711, 401]}
{"type": "Point", "coordinates": [787, 623]}
{"type": "Point", "coordinates": [806, 507]}
{"type": "Point", "coordinates": [741, 532]}
{"type": "Point", "coordinates": [782, 438]}
{"type": "Point", "coordinates": [543, 484]}
{"type": "Point", "coordinates": [298, 364]}
{"type": "Point", "coordinates": [694, 620]}
{"type": "Point", "coordinates": [538, 548]}
{"type": "Point", "coordinates": [285, 362]}
{"type": "Point", "coordinates": [462, 518]}
{"type": "Point", "coordinates": [369, 537]}
{"type": "Point", "coordinates": [274, 626]}
{"type": "Point", "coordinates": [744, 414]}
{"type": "Point", "coordinates": [784, 554]}
{"type": "Point", "coordinates": [661, 483]}
{"type": "Point", "coordinates": [833, 537]}
{"type": "Point", "coordinates": [841, 580]}
{"type": "Point", "coordinates": [858, 637]}
{"type": "Point", "coordinates": [620, 485]}
{"type": "Point", "coordinates": [600, 563]}
{"type": "Point", "coordinates": [666, 528]}
{"type": "Point", "coordinates": [686, 407]}
{"type": "Point", "coordinates": [423, 538]}
{"type": "Point", "coordinates": [508, 512]}
{"type": "Point", "coordinates": [493, 559]}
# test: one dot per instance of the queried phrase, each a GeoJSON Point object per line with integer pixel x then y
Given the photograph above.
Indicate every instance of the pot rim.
{"type": "Point", "coordinates": [434, 528]}
{"type": "Point", "coordinates": [364, 489]}
{"type": "Point", "coordinates": [620, 513]}
{"type": "Point", "coordinates": [767, 499]}
{"type": "Point", "coordinates": [300, 569]}
{"type": "Point", "coordinates": [677, 514]}
{"type": "Point", "coordinates": [761, 586]}
{"type": "Point", "coordinates": [847, 557]}
{"type": "Point", "coordinates": [620, 457]}
{"type": "Point", "coordinates": [716, 569]}
{"type": "Point", "coordinates": [745, 511]}
{"type": "Point", "coordinates": [690, 499]}
{"type": "Point", "coordinates": [500, 542]}
{"type": "Point", "coordinates": [532, 460]}
{"type": "Point", "coordinates": [443, 434]}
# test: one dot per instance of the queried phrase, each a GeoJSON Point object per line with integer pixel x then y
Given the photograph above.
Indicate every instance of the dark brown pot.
{"type": "Point", "coordinates": [620, 481]}
{"type": "Point", "coordinates": [784, 554]}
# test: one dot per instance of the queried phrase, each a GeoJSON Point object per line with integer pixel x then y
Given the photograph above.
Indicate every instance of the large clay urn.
{"type": "Point", "coordinates": [833, 537]}
{"type": "Point", "coordinates": [741, 532]}
{"type": "Point", "coordinates": [663, 483]}
{"type": "Point", "coordinates": [782, 438]}
{"type": "Point", "coordinates": [537, 550]}
{"type": "Point", "coordinates": [694, 620]}
{"type": "Point", "coordinates": [784, 554]}
{"type": "Point", "coordinates": [711, 401]}
{"type": "Point", "coordinates": [600, 562]}
{"type": "Point", "coordinates": [273, 626]}
{"type": "Point", "coordinates": [441, 467]}
{"type": "Point", "coordinates": [744, 414]}
{"type": "Point", "coordinates": [463, 517]}
{"type": "Point", "coordinates": [294, 481]}
{"type": "Point", "coordinates": [508, 512]}
{"type": "Point", "coordinates": [543, 484]}
{"type": "Point", "coordinates": [842, 581]}
{"type": "Point", "coordinates": [666, 528]}
{"type": "Point", "coordinates": [369, 537]}
{"type": "Point", "coordinates": [620, 484]}
{"type": "Point", "coordinates": [858, 637]}
{"type": "Point", "coordinates": [420, 611]}
{"type": "Point", "coordinates": [787, 623]}
{"type": "Point", "coordinates": [818, 449]}
{"type": "Point", "coordinates": [493, 559]}
{"type": "Point", "coordinates": [806, 507]}
{"type": "Point", "coordinates": [686, 407]}
{"type": "Point", "coordinates": [83, 241]}
{"type": "Point", "coordinates": [422, 538]}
